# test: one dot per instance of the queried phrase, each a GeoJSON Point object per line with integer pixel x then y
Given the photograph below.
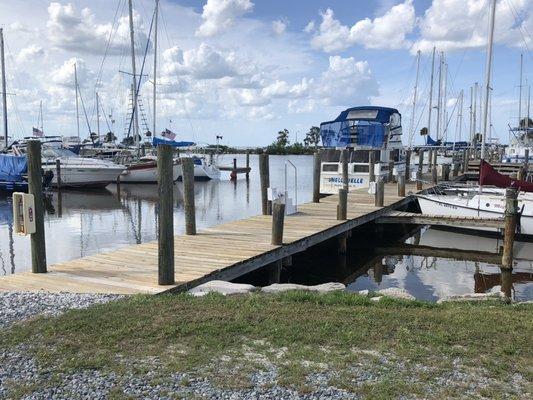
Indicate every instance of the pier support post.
{"type": "Point", "coordinates": [434, 175]}
{"type": "Point", "coordinates": [455, 172]}
{"type": "Point", "coordinates": [391, 171]}
{"type": "Point", "coordinates": [247, 164]}
{"type": "Point", "coordinates": [430, 160]}
{"type": "Point", "coordinates": [511, 211]}
{"type": "Point", "coordinates": [35, 187]}
{"type": "Point", "coordinates": [264, 177]}
{"type": "Point", "coordinates": [165, 215]}
{"type": "Point", "coordinates": [274, 272]}
{"type": "Point", "coordinates": [526, 163]}
{"type": "Point", "coordinates": [278, 217]}
{"type": "Point", "coordinates": [380, 193]}
{"type": "Point", "coordinates": [401, 186]}
{"type": "Point", "coordinates": [316, 177]}
{"type": "Point", "coordinates": [465, 161]}
{"type": "Point", "coordinates": [407, 165]}
{"type": "Point", "coordinates": [187, 166]}
{"type": "Point", "coordinates": [342, 207]}
{"type": "Point", "coordinates": [233, 174]}
{"type": "Point", "coordinates": [421, 160]}
{"type": "Point", "coordinates": [344, 162]}
{"type": "Point", "coordinates": [419, 181]}
{"type": "Point", "coordinates": [435, 154]}
{"type": "Point", "coordinates": [58, 176]}
{"type": "Point", "coordinates": [342, 240]}
{"type": "Point", "coordinates": [446, 172]}
{"type": "Point", "coordinates": [371, 169]}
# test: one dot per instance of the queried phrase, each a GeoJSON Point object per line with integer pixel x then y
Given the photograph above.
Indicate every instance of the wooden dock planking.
{"type": "Point", "coordinates": [225, 251]}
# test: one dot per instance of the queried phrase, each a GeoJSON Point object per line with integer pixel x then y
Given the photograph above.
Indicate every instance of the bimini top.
{"type": "Point", "coordinates": [359, 126]}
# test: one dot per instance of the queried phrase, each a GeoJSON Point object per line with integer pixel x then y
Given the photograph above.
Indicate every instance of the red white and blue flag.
{"type": "Point", "coordinates": [167, 133]}
{"type": "Point", "coordinates": [37, 132]}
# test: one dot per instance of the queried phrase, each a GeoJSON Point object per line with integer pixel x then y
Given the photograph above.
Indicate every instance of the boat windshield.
{"type": "Point", "coordinates": [55, 153]}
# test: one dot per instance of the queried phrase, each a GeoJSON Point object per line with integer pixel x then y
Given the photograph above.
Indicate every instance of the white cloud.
{"type": "Point", "coordinates": [248, 97]}
{"type": "Point", "coordinates": [386, 32]}
{"type": "Point", "coordinates": [219, 15]}
{"type": "Point", "coordinates": [31, 53]}
{"type": "Point", "coordinates": [63, 75]}
{"type": "Point", "coordinates": [310, 27]}
{"type": "Point", "coordinates": [462, 24]}
{"type": "Point", "coordinates": [80, 33]}
{"type": "Point", "coordinates": [279, 26]}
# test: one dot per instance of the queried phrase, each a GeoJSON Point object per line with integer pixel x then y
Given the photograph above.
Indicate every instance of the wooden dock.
{"type": "Point", "coordinates": [225, 251]}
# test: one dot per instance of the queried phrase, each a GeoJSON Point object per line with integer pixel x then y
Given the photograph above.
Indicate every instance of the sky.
{"type": "Point", "coordinates": [245, 69]}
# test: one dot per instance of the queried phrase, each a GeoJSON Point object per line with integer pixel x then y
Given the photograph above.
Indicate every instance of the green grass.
{"type": "Point", "coordinates": [408, 345]}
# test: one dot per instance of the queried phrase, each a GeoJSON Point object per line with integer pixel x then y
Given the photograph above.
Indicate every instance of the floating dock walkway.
{"type": "Point", "coordinates": [224, 252]}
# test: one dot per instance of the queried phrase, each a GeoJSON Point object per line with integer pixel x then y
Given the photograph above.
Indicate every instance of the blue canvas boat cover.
{"type": "Point", "coordinates": [173, 143]}
{"type": "Point", "coordinates": [366, 123]}
{"type": "Point", "coordinates": [431, 142]}
{"type": "Point", "coordinates": [12, 167]}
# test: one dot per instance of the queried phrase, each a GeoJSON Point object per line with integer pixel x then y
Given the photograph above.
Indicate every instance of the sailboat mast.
{"type": "Point", "coordinates": [97, 115]}
{"type": "Point", "coordinates": [41, 115]}
{"type": "Point", "coordinates": [475, 111]}
{"type": "Point", "coordinates": [445, 101]}
{"type": "Point", "coordinates": [134, 78]}
{"type": "Point", "coordinates": [77, 103]}
{"type": "Point", "coordinates": [411, 136]}
{"type": "Point", "coordinates": [155, 67]}
{"type": "Point", "coordinates": [439, 98]}
{"type": "Point", "coordinates": [488, 73]}
{"type": "Point", "coordinates": [431, 91]}
{"type": "Point", "coordinates": [471, 113]}
{"type": "Point", "coordinates": [4, 90]}
{"type": "Point", "coordinates": [461, 114]}
{"type": "Point", "coordinates": [520, 91]}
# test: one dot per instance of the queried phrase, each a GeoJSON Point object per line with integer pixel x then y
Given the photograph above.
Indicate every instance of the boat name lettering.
{"type": "Point", "coordinates": [350, 180]}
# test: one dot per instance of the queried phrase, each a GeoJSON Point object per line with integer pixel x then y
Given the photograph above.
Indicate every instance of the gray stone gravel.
{"type": "Point", "coordinates": [18, 306]}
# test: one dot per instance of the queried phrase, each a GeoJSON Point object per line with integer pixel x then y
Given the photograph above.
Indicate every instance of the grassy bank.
{"type": "Point", "coordinates": [381, 350]}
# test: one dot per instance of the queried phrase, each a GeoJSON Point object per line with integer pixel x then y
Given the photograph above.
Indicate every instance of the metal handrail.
{"type": "Point", "coordinates": [295, 184]}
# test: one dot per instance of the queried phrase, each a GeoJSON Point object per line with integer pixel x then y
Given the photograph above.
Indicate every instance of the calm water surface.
{"type": "Point", "coordinates": [90, 222]}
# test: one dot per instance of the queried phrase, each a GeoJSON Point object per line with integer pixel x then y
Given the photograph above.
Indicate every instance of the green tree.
{"type": "Point", "coordinates": [312, 138]}
{"type": "Point", "coordinates": [283, 138]}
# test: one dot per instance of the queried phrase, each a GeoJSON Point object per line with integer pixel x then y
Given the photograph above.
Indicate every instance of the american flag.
{"type": "Point", "coordinates": [37, 132]}
{"type": "Point", "coordinates": [168, 134]}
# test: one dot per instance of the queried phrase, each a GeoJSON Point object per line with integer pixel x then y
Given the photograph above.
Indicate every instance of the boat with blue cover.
{"type": "Point", "coordinates": [13, 170]}
{"type": "Point", "coordinates": [366, 131]}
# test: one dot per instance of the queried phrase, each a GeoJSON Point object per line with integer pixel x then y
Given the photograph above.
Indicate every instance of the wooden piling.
{"type": "Point", "coordinates": [430, 160]}
{"type": "Point", "coordinates": [371, 169]}
{"type": "Point", "coordinates": [187, 166]}
{"type": "Point", "coordinates": [344, 163]}
{"type": "Point", "coordinates": [434, 174]}
{"type": "Point", "coordinates": [247, 164]}
{"type": "Point", "coordinates": [401, 186]}
{"type": "Point", "coordinates": [419, 182]}
{"type": "Point", "coordinates": [342, 207]}
{"type": "Point", "coordinates": [274, 272]}
{"type": "Point", "coordinates": [58, 176]}
{"type": "Point", "coordinates": [391, 172]}
{"type": "Point", "coordinates": [455, 171]}
{"type": "Point", "coordinates": [465, 161]}
{"type": "Point", "coordinates": [278, 217]}
{"type": "Point", "coordinates": [316, 177]}
{"type": "Point", "coordinates": [407, 165]}
{"type": "Point", "coordinates": [445, 172]}
{"type": "Point", "coordinates": [511, 212]}
{"type": "Point", "coordinates": [526, 163]}
{"type": "Point", "coordinates": [421, 160]}
{"type": "Point", "coordinates": [380, 193]}
{"type": "Point", "coordinates": [165, 215]}
{"type": "Point", "coordinates": [435, 154]}
{"type": "Point", "coordinates": [342, 243]}
{"type": "Point", "coordinates": [265, 182]}
{"type": "Point", "coordinates": [35, 187]}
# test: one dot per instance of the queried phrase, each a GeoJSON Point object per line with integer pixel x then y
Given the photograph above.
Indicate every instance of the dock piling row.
{"type": "Point", "coordinates": [35, 187]}
{"type": "Point", "coordinates": [165, 215]}
{"type": "Point", "coordinates": [188, 195]}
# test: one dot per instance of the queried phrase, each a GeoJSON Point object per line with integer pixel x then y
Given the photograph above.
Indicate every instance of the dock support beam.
{"type": "Point", "coordinates": [316, 177]}
{"type": "Point", "coordinates": [165, 215]}
{"type": "Point", "coordinates": [380, 193]}
{"type": "Point", "coordinates": [35, 187]}
{"type": "Point", "coordinates": [278, 217]}
{"type": "Point", "coordinates": [511, 211]}
{"type": "Point", "coordinates": [264, 176]}
{"type": "Point", "coordinates": [274, 272]}
{"type": "Point", "coordinates": [342, 243]}
{"type": "Point", "coordinates": [187, 166]}
{"type": "Point", "coordinates": [342, 207]}
{"type": "Point", "coordinates": [401, 186]}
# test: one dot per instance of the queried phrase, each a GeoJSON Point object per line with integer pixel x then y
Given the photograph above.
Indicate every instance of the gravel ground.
{"type": "Point", "coordinates": [18, 306]}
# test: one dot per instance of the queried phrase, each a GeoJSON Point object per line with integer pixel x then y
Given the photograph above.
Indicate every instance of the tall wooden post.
{"type": "Point", "coordinates": [526, 163]}
{"type": "Point", "coordinates": [165, 215]}
{"type": "Point", "coordinates": [407, 165]}
{"type": "Point", "coordinates": [278, 216]}
{"type": "Point", "coordinates": [35, 187]}
{"type": "Point", "coordinates": [465, 161]}
{"type": "Point", "coordinates": [58, 176]}
{"type": "Point", "coordinates": [446, 172]}
{"type": "Point", "coordinates": [342, 207]}
{"type": "Point", "coordinates": [401, 186]}
{"type": "Point", "coordinates": [434, 174]}
{"type": "Point", "coordinates": [430, 160]}
{"type": "Point", "coordinates": [187, 166]}
{"type": "Point", "coordinates": [391, 171]}
{"type": "Point", "coordinates": [380, 193]}
{"type": "Point", "coordinates": [344, 163]}
{"type": "Point", "coordinates": [421, 160]}
{"type": "Point", "coordinates": [511, 211]}
{"type": "Point", "coordinates": [264, 177]}
{"type": "Point", "coordinates": [455, 171]}
{"type": "Point", "coordinates": [342, 241]}
{"type": "Point", "coordinates": [419, 180]}
{"type": "Point", "coordinates": [435, 154]}
{"type": "Point", "coordinates": [371, 169]}
{"type": "Point", "coordinates": [247, 164]}
{"type": "Point", "coordinates": [316, 177]}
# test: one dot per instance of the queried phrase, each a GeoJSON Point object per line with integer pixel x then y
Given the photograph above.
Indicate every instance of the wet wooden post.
{"type": "Point", "coordinates": [407, 165]}
{"type": "Point", "coordinates": [371, 169]}
{"type": "Point", "coordinates": [274, 271]}
{"type": "Point", "coordinates": [465, 161]}
{"type": "Point", "coordinates": [391, 172]}
{"type": "Point", "coordinates": [278, 217]}
{"type": "Point", "coordinates": [421, 160]}
{"type": "Point", "coordinates": [247, 164]}
{"type": "Point", "coordinates": [455, 171]}
{"type": "Point", "coordinates": [434, 175]}
{"type": "Point", "coordinates": [401, 186]}
{"type": "Point", "coordinates": [264, 177]}
{"type": "Point", "coordinates": [380, 193]}
{"type": "Point", "coordinates": [430, 160]}
{"type": "Point", "coordinates": [342, 207]}
{"type": "Point", "coordinates": [118, 187]}
{"type": "Point", "coordinates": [165, 215]}
{"type": "Point", "coordinates": [511, 212]}
{"type": "Point", "coordinates": [344, 163]}
{"type": "Point", "coordinates": [342, 246]}
{"type": "Point", "coordinates": [316, 177]}
{"type": "Point", "coordinates": [35, 187]}
{"type": "Point", "coordinates": [187, 166]}
{"type": "Point", "coordinates": [58, 176]}
{"type": "Point", "coordinates": [419, 182]}
{"type": "Point", "coordinates": [526, 163]}
{"type": "Point", "coordinates": [445, 172]}
{"type": "Point", "coordinates": [435, 154]}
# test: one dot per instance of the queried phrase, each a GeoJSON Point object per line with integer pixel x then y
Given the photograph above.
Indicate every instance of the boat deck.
{"type": "Point", "coordinates": [224, 251]}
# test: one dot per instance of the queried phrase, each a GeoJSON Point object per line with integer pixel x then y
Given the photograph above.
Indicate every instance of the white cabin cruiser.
{"type": "Point", "coordinates": [204, 170]}
{"type": "Point", "coordinates": [144, 170]}
{"type": "Point", "coordinates": [368, 131]}
{"type": "Point", "coordinates": [523, 139]}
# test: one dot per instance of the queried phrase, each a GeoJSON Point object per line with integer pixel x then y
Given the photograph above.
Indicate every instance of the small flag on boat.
{"type": "Point", "coordinates": [168, 134]}
{"type": "Point", "coordinates": [37, 132]}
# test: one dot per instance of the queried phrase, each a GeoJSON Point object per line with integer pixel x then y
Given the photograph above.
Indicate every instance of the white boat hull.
{"type": "Point", "coordinates": [206, 172]}
{"type": "Point", "coordinates": [139, 173]}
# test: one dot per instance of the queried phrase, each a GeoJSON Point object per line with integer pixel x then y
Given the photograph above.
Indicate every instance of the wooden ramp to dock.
{"type": "Point", "coordinates": [224, 251]}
